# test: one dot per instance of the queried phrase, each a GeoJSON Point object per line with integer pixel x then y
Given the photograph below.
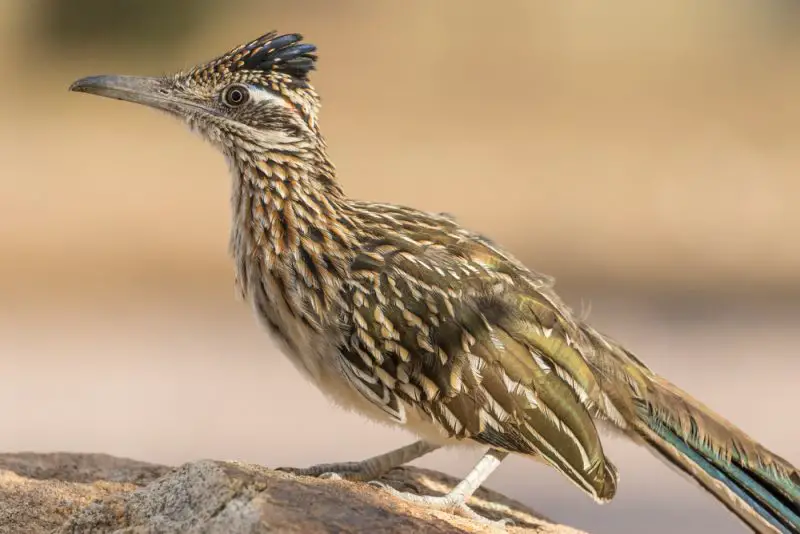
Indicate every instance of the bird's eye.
{"type": "Point", "coordinates": [235, 95]}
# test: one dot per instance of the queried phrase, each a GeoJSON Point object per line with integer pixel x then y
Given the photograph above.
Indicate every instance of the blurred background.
{"type": "Point", "coordinates": [646, 154]}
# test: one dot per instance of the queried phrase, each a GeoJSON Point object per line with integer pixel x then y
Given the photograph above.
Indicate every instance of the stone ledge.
{"type": "Point", "coordinates": [82, 493]}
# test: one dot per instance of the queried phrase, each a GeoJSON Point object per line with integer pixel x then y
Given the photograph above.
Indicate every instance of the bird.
{"type": "Point", "coordinates": [410, 319]}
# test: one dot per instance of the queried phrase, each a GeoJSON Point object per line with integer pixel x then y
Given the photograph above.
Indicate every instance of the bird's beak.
{"type": "Point", "coordinates": [152, 92]}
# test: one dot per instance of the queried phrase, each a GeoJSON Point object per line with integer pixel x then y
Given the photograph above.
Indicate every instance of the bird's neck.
{"type": "Point", "coordinates": [291, 238]}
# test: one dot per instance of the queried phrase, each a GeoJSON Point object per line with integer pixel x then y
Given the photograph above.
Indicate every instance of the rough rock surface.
{"type": "Point", "coordinates": [82, 493]}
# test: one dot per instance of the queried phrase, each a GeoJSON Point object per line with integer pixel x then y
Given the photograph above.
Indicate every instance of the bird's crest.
{"type": "Point", "coordinates": [283, 58]}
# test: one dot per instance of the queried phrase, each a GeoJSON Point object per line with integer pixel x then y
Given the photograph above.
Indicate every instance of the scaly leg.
{"type": "Point", "coordinates": [368, 469]}
{"type": "Point", "coordinates": [456, 500]}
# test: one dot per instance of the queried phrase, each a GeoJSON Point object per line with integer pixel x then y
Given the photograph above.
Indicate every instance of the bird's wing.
{"type": "Point", "coordinates": [460, 332]}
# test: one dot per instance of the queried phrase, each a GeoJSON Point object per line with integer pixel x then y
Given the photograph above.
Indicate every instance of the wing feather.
{"type": "Point", "coordinates": [460, 335]}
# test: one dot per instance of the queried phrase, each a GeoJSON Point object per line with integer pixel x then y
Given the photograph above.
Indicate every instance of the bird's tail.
{"type": "Point", "coordinates": [760, 487]}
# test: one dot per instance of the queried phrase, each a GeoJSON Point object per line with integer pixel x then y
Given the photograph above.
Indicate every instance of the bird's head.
{"type": "Point", "coordinates": [254, 99]}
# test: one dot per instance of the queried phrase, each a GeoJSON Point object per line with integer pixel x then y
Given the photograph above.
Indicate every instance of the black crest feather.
{"type": "Point", "coordinates": [284, 54]}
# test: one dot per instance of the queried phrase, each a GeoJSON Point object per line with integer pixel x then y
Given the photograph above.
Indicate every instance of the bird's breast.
{"type": "Point", "coordinates": [316, 356]}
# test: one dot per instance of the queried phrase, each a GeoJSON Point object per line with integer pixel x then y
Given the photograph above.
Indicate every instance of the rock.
{"type": "Point", "coordinates": [82, 493]}
{"type": "Point", "coordinates": [40, 492]}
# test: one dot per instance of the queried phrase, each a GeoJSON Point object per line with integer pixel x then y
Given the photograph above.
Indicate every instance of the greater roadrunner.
{"type": "Point", "coordinates": [410, 319]}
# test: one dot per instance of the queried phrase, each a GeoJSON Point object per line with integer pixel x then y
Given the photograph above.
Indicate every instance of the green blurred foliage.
{"type": "Point", "coordinates": [117, 23]}
{"type": "Point", "coordinates": [784, 17]}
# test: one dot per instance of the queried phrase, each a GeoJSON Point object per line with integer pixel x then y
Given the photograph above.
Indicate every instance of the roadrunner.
{"type": "Point", "coordinates": [409, 319]}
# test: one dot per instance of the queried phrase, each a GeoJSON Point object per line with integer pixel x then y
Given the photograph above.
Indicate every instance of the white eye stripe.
{"type": "Point", "coordinates": [258, 94]}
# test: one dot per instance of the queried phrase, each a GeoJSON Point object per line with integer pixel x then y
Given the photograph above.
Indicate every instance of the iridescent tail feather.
{"type": "Point", "coordinates": [758, 486]}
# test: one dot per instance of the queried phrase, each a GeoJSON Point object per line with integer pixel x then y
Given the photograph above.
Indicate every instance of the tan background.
{"type": "Point", "coordinates": [645, 153]}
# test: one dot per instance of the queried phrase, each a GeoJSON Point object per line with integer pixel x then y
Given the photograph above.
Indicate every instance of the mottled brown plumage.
{"type": "Point", "coordinates": [412, 320]}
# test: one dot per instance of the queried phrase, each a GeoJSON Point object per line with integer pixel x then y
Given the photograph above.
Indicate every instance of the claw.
{"type": "Point", "coordinates": [445, 503]}
{"type": "Point", "coordinates": [307, 472]}
{"type": "Point", "coordinates": [292, 470]}
{"type": "Point", "coordinates": [342, 471]}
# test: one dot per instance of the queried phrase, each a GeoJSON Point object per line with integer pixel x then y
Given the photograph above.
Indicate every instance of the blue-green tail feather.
{"type": "Point", "coordinates": [773, 498]}
{"type": "Point", "coordinates": [759, 487]}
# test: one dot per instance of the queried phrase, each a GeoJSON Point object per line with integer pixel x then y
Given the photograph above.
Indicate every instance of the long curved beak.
{"type": "Point", "coordinates": [152, 92]}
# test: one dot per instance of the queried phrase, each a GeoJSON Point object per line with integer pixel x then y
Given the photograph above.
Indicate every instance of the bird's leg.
{"type": "Point", "coordinates": [368, 469]}
{"type": "Point", "coordinates": [456, 500]}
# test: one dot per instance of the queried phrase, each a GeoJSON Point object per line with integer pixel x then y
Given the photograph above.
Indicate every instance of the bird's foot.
{"type": "Point", "coordinates": [355, 471]}
{"type": "Point", "coordinates": [453, 503]}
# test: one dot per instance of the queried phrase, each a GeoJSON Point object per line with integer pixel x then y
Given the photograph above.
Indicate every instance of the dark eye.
{"type": "Point", "coordinates": [235, 95]}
